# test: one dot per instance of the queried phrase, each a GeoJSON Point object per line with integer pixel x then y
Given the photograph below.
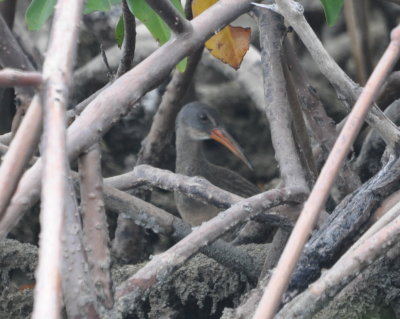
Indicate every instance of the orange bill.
{"type": "Point", "coordinates": [221, 136]}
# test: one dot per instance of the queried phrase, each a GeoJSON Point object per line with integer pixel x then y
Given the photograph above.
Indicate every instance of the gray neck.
{"type": "Point", "coordinates": [190, 159]}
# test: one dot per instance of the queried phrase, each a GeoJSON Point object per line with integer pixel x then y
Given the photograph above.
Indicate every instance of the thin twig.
{"type": "Point", "coordinates": [57, 71]}
{"type": "Point", "coordinates": [171, 16]}
{"type": "Point", "coordinates": [280, 278]}
{"type": "Point", "coordinates": [129, 43]}
{"type": "Point", "coordinates": [95, 228]}
{"type": "Point", "coordinates": [355, 13]}
{"type": "Point", "coordinates": [11, 77]}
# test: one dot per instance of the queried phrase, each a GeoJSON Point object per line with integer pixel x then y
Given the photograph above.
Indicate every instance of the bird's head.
{"type": "Point", "coordinates": [202, 122]}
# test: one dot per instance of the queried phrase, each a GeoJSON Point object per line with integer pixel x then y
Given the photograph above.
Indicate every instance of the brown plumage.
{"type": "Point", "coordinates": [195, 123]}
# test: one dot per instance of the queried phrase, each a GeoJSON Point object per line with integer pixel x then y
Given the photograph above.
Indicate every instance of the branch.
{"type": "Point", "coordinates": [195, 187]}
{"type": "Point", "coordinates": [390, 90]}
{"type": "Point", "coordinates": [322, 126]}
{"type": "Point", "coordinates": [299, 127]}
{"type": "Point", "coordinates": [11, 77]}
{"type": "Point", "coordinates": [355, 13]}
{"type": "Point", "coordinates": [21, 149]}
{"type": "Point", "coordinates": [161, 222]}
{"type": "Point", "coordinates": [346, 89]}
{"type": "Point", "coordinates": [344, 225]}
{"type": "Point", "coordinates": [280, 278]}
{"type": "Point", "coordinates": [118, 98]}
{"type": "Point", "coordinates": [95, 226]}
{"type": "Point", "coordinates": [276, 100]}
{"type": "Point", "coordinates": [6, 138]}
{"type": "Point", "coordinates": [57, 71]}
{"type": "Point", "coordinates": [129, 43]}
{"type": "Point", "coordinates": [76, 280]}
{"type": "Point", "coordinates": [154, 144]}
{"type": "Point", "coordinates": [357, 258]}
{"type": "Point", "coordinates": [171, 16]}
{"type": "Point", "coordinates": [161, 266]}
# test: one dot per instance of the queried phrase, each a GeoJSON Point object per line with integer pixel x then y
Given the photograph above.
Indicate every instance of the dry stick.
{"type": "Point", "coordinates": [299, 126]}
{"type": "Point", "coordinates": [95, 226]}
{"type": "Point", "coordinates": [276, 99]}
{"type": "Point", "coordinates": [278, 112]}
{"type": "Point", "coordinates": [162, 266]}
{"type": "Point", "coordinates": [128, 49]}
{"type": "Point", "coordinates": [346, 89]}
{"type": "Point", "coordinates": [195, 187]}
{"type": "Point", "coordinates": [124, 66]}
{"type": "Point", "coordinates": [22, 146]}
{"type": "Point", "coordinates": [94, 219]}
{"type": "Point", "coordinates": [161, 222]}
{"type": "Point", "coordinates": [280, 278]}
{"type": "Point", "coordinates": [57, 70]}
{"type": "Point", "coordinates": [6, 138]}
{"type": "Point", "coordinates": [11, 77]}
{"type": "Point", "coordinates": [78, 291]}
{"type": "Point", "coordinates": [322, 126]}
{"type": "Point", "coordinates": [118, 98]}
{"type": "Point", "coordinates": [272, 34]}
{"type": "Point", "coordinates": [355, 13]}
{"type": "Point", "coordinates": [358, 257]}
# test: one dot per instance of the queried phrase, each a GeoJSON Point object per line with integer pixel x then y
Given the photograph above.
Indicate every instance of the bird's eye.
{"type": "Point", "coordinates": [203, 117]}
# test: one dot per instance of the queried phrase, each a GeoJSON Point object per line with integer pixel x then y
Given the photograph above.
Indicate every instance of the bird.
{"type": "Point", "coordinates": [195, 123]}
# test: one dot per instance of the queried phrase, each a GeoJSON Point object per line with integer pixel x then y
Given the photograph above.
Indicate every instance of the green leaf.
{"type": "Point", "coordinates": [150, 19]}
{"type": "Point", "coordinates": [157, 27]}
{"type": "Point", "coordinates": [332, 10]}
{"type": "Point", "coordinates": [113, 2]}
{"type": "Point", "coordinates": [38, 12]}
{"type": "Point", "coordinates": [119, 32]}
{"type": "Point", "coordinates": [97, 5]}
{"type": "Point", "coordinates": [181, 66]}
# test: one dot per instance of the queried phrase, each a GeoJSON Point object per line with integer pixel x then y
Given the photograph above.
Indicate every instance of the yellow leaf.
{"type": "Point", "coordinates": [230, 44]}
